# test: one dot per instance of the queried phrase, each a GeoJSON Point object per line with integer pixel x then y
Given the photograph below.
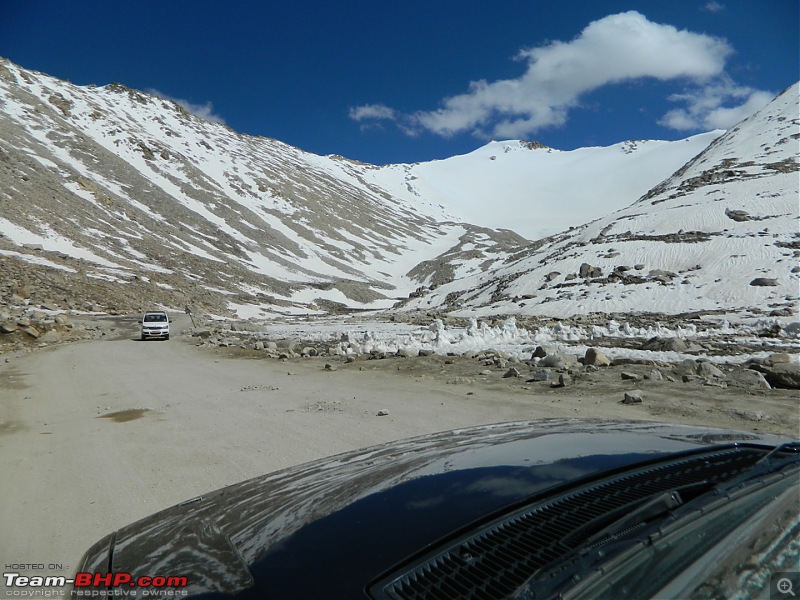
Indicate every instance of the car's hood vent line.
{"type": "Point", "coordinates": [496, 560]}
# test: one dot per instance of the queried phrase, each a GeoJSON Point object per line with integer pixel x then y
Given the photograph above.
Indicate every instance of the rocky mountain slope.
{"type": "Point", "coordinates": [116, 200]}
{"type": "Point", "coordinates": [720, 235]}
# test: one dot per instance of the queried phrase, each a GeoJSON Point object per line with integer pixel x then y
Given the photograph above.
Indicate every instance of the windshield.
{"type": "Point", "coordinates": [155, 318]}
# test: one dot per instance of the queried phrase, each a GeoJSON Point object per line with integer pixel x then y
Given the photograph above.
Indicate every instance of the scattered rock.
{"type": "Point", "coordinates": [512, 372]}
{"type": "Point", "coordinates": [588, 271]}
{"type": "Point", "coordinates": [632, 397]}
{"type": "Point", "coordinates": [628, 376]}
{"type": "Point", "coordinates": [541, 374]}
{"type": "Point", "coordinates": [538, 352]}
{"type": "Point", "coordinates": [669, 344]}
{"type": "Point", "coordinates": [563, 381]}
{"type": "Point", "coordinates": [707, 369]}
{"type": "Point", "coordinates": [738, 215]}
{"type": "Point", "coordinates": [330, 367]}
{"type": "Point", "coordinates": [558, 360]}
{"type": "Point", "coordinates": [382, 413]}
{"type": "Point", "coordinates": [654, 375]}
{"type": "Point", "coordinates": [31, 331]}
{"type": "Point", "coordinates": [764, 282]}
{"type": "Point", "coordinates": [782, 357]}
{"type": "Point", "coordinates": [48, 337]}
{"type": "Point", "coordinates": [772, 331]}
{"type": "Point", "coordinates": [8, 327]}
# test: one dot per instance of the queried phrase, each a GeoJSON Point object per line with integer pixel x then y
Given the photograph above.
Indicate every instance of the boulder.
{"type": "Point", "coordinates": [764, 282]}
{"type": "Point", "coordinates": [31, 331]}
{"type": "Point", "coordinates": [707, 369]}
{"type": "Point", "coordinates": [654, 375]}
{"type": "Point", "coordinates": [541, 374]}
{"type": "Point", "coordinates": [784, 376]}
{"type": "Point", "coordinates": [597, 358]}
{"type": "Point", "coordinates": [49, 336]}
{"type": "Point", "coordinates": [558, 360]}
{"type": "Point", "coordinates": [632, 397]}
{"type": "Point", "coordinates": [747, 379]}
{"type": "Point", "coordinates": [538, 352]}
{"type": "Point", "coordinates": [737, 215]}
{"type": "Point", "coordinates": [669, 344]}
{"type": "Point", "coordinates": [8, 327]}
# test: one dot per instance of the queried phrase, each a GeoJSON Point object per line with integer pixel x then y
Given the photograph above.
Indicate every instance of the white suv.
{"type": "Point", "coordinates": [155, 324]}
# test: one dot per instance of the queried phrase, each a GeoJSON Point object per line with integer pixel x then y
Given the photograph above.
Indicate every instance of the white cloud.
{"type": "Point", "coordinates": [615, 49]}
{"type": "Point", "coordinates": [371, 111]}
{"type": "Point", "coordinates": [705, 107]}
{"type": "Point", "coordinates": [714, 7]}
{"type": "Point", "coordinates": [204, 111]}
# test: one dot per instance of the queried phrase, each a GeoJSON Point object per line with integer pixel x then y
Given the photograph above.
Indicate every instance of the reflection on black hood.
{"type": "Point", "coordinates": [327, 528]}
{"type": "Point", "coordinates": [387, 527]}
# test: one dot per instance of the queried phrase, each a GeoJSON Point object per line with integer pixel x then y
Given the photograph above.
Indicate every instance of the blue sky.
{"type": "Point", "coordinates": [416, 80]}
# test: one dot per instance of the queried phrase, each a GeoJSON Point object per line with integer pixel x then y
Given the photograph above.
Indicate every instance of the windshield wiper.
{"type": "Point", "coordinates": [769, 463]}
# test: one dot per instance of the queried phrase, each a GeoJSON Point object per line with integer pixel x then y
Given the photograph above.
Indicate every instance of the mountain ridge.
{"type": "Point", "coordinates": [695, 242]}
{"type": "Point", "coordinates": [123, 200]}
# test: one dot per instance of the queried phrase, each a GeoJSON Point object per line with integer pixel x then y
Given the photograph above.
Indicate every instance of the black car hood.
{"type": "Point", "coordinates": [329, 527]}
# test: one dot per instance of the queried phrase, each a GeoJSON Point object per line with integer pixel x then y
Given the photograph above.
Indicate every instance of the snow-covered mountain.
{"type": "Point", "coordinates": [720, 235]}
{"type": "Point", "coordinates": [117, 199]}
{"type": "Point", "coordinates": [539, 191]}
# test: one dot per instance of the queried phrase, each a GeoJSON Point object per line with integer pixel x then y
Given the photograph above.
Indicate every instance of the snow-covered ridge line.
{"type": "Point", "coordinates": [721, 234]}
{"type": "Point", "coordinates": [120, 185]}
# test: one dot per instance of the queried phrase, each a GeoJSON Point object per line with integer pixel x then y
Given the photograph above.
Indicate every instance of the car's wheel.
{"type": "Point", "coordinates": [166, 337]}
{"type": "Point", "coordinates": [144, 338]}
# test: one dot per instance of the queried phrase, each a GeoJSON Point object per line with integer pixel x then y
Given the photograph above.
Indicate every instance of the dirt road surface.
{"type": "Point", "coordinates": [98, 434]}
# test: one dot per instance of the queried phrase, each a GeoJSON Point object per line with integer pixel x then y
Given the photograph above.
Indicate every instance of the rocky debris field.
{"type": "Point", "coordinates": [759, 393]}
